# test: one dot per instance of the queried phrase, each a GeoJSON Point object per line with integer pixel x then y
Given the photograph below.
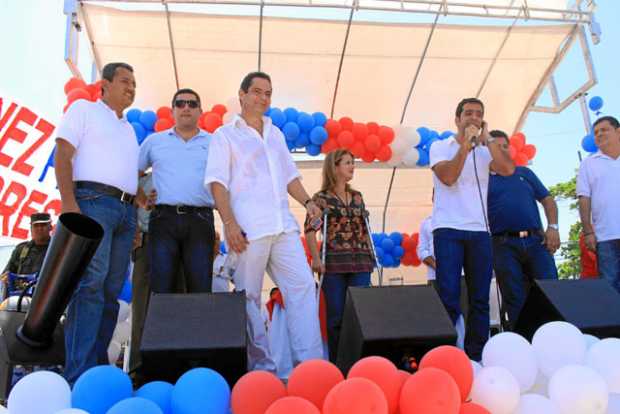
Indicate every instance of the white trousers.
{"type": "Point", "coordinates": [282, 256]}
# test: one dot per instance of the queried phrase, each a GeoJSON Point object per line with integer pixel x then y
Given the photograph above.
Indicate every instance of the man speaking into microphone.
{"type": "Point", "coordinates": [460, 227]}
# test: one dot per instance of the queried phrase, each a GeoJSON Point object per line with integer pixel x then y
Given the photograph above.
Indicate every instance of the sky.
{"type": "Point", "coordinates": [33, 71]}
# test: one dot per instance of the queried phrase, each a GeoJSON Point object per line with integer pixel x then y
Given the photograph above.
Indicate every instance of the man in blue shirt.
{"type": "Point", "coordinates": [181, 226]}
{"type": "Point", "coordinates": [522, 251]}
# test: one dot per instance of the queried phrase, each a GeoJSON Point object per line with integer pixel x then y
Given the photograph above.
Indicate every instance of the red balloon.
{"type": "Point", "coordinates": [373, 128]}
{"type": "Point", "coordinates": [219, 109]}
{"type": "Point", "coordinates": [416, 260]}
{"type": "Point", "coordinates": [333, 128]}
{"type": "Point", "coordinates": [517, 141]}
{"type": "Point", "coordinates": [355, 395]}
{"type": "Point", "coordinates": [473, 408]}
{"type": "Point", "coordinates": [345, 139]}
{"type": "Point", "coordinates": [329, 145]}
{"type": "Point", "coordinates": [368, 156]}
{"type": "Point", "coordinates": [372, 143]}
{"type": "Point", "coordinates": [521, 159]}
{"type": "Point", "coordinates": [162, 124]}
{"type": "Point", "coordinates": [77, 94]}
{"type": "Point", "coordinates": [409, 244]}
{"type": "Point", "coordinates": [382, 372]}
{"type": "Point", "coordinates": [92, 90]}
{"type": "Point", "coordinates": [384, 154]}
{"type": "Point", "coordinates": [255, 392]}
{"type": "Point", "coordinates": [403, 377]}
{"type": "Point", "coordinates": [360, 131]}
{"type": "Point", "coordinates": [529, 150]}
{"type": "Point", "coordinates": [303, 380]}
{"type": "Point", "coordinates": [289, 405]}
{"type": "Point", "coordinates": [386, 134]}
{"type": "Point", "coordinates": [74, 83]}
{"type": "Point", "coordinates": [358, 149]}
{"type": "Point", "coordinates": [407, 259]}
{"type": "Point", "coordinates": [211, 121]}
{"type": "Point", "coordinates": [453, 361]}
{"type": "Point", "coordinates": [346, 123]}
{"type": "Point", "coordinates": [430, 391]}
{"type": "Point", "coordinates": [164, 112]}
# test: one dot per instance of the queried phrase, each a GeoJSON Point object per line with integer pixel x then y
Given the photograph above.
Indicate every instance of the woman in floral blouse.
{"type": "Point", "coordinates": [349, 259]}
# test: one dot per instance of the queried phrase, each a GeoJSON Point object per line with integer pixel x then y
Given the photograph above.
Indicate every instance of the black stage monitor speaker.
{"type": "Point", "coordinates": [184, 331]}
{"type": "Point", "coordinates": [592, 305]}
{"type": "Point", "coordinates": [395, 322]}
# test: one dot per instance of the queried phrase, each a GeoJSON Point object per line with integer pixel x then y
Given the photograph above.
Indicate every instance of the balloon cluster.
{"type": "Point", "coordinates": [411, 146]}
{"type": "Point", "coordinates": [520, 152]}
{"type": "Point", "coordinates": [588, 143]}
{"type": "Point", "coordinates": [366, 141]}
{"type": "Point", "coordinates": [300, 129]}
{"type": "Point", "coordinates": [396, 248]}
{"type": "Point", "coordinates": [76, 89]}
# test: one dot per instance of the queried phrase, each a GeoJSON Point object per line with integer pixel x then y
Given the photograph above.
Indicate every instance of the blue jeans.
{"type": "Point", "coordinates": [335, 289]}
{"type": "Point", "coordinates": [517, 263]}
{"type": "Point", "coordinates": [93, 310]}
{"type": "Point", "coordinates": [181, 238]}
{"type": "Point", "coordinates": [471, 250]}
{"type": "Point", "coordinates": [608, 257]}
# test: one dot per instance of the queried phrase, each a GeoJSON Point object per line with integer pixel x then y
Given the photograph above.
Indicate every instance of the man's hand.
{"type": "Point", "coordinates": [235, 238]}
{"type": "Point", "coordinates": [313, 210]}
{"type": "Point", "coordinates": [318, 266]}
{"type": "Point", "coordinates": [552, 240]}
{"type": "Point", "coordinates": [590, 240]}
{"type": "Point", "coordinates": [484, 134]}
{"type": "Point", "coordinates": [430, 262]}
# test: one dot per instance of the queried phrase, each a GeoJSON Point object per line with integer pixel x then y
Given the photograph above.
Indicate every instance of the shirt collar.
{"type": "Point", "coordinates": [105, 105]}
{"type": "Point", "coordinates": [601, 154]}
{"type": "Point", "coordinates": [239, 122]}
{"type": "Point", "coordinates": [200, 133]}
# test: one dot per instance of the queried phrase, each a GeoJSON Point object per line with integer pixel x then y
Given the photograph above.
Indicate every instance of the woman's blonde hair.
{"type": "Point", "coordinates": [332, 159]}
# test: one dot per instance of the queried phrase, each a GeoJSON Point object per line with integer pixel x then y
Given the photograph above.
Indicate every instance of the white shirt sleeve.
{"type": "Point", "coordinates": [218, 163]}
{"type": "Point", "coordinates": [439, 152]}
{"type": "Point", "coordinates": [425, 240]}
{"type": "Point", "coordinates": [72, 126]}
{"type": "Point", "coordinates": [583, 180]}
{"type": "Point", "coordinates": [144, 159]}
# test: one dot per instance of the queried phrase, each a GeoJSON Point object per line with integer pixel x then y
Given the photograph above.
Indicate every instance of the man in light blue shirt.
{"type": "Point", "coordinates": [181, 226]}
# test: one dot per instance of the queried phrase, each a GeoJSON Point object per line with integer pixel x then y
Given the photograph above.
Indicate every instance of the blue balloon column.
{"type": "Point", "coordinates": [300, 129]}
{"type": "Point", "coordinates": [427, 138]}
{"type": "Point", "coordinates": [388, 248]}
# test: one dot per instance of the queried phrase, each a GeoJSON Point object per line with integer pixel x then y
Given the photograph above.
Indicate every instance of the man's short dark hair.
{"type": "Point", "coordinates": [185, 90]}
{"type": "Point", "coordinates": [459, 107]}
{"type": "Point", "coordinates": [496, 133]}
{"type": "Point", "coordinates": [109, 70]}
{"type": "Point", "coordinates": [612, 121]}
{"type": "Point", "coordinates": [247, 80]}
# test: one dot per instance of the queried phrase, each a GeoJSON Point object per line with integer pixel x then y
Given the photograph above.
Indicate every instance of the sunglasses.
{"type": "Point", "coordinates": [181, 103]}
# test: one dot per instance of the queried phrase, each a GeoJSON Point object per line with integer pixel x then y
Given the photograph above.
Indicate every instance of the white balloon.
{"type": "Point", "coordinates": [514, 353]}
{"type": "Point", "coordinates": [122, 332]}
{"type": "Point", "coordinates": [396, 160]}
{"type": "Point", "coordinates": [577, 389]}
{"type": "Point", "coordinates": [535, 404]}
{"type": "Point", "coordinates": [613, 406]}
{"type": "Point", "coordinates": [233, 107]}
{"type": "Point", "coordinates": [541, 386]}
{"type": "Point", "coordinates": [123, 311]}
{"type": "Point", "coordinates": [114, 352]}
{"type": "Point", "coordinates": [496, 389]}
{"type": "Point", "coordinates": [476, 367]}
{"type": "Point", "coordinates": [604, 358]}
{"type": "Point", "coordinates": [590, 340]}
{"type": "Point", "coordinates": [399, 146]}
{"type": "Point", "coordinates": [71, 411]}
{"type": "Point", "coordinates": [407, 134]}
{"type": "Point", "coordinates": [42, 392]}
{"type": "Point", "coordinates": [411, 157]}
{"type": "Point", "coordinates": [557, 344]}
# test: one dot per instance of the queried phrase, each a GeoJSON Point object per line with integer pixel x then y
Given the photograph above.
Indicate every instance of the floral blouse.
{"type": "Point", "coordinates": [348, 250]}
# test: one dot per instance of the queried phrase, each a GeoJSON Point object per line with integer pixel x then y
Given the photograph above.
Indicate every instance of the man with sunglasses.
{"type": "Point", "coordinates": [181, 226]}
{"type": "Point", "coordinates": [522, 251]}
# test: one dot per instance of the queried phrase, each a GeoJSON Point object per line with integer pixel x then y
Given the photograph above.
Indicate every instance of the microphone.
{"type": "Point", "coordinates": [473, 141]}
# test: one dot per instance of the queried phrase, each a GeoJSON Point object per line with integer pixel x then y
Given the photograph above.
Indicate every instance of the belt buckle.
{"type": "Point", "coordinates": [180, 210]}
{"type": "Point", "coordinates": [125, 197]}
{"type": "Point", "coordinates": [523, 234]}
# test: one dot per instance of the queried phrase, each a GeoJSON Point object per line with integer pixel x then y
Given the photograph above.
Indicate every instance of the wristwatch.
{"type": "Point", "coordinates": [553, 226]}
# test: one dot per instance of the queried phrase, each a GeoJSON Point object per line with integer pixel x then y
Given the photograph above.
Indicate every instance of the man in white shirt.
{"type": "Point", "coordinates": [598, 188]}
{"type": "Point", "coordinates": [460, 229]}
{"type": "Point", "coordinates": [97, 174]}
{"type": "Point", "coordinates": [251, 174]}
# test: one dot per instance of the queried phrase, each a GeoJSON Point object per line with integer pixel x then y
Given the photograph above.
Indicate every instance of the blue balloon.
{"type": "Point", "coordinates": [313, 150]}
{"type": "Point", "coordinates": [160, 392]}
{"type": "Point", "coordinates": [139, 130]}
{"type": "Point", "coordinates": [88, 392]}
{"type": "Point", "coordinates": [423, 157]}
{"type": "Point", "coordinates": [398, 252]}
{"type": "Point", "coordinates": [319, 118]}
{"type": "Point", "coordinates": [223, 249]}
{"type": "Point", "coordinates": [388, 260]}
{"type": "Point", "coordinates": [377, 238]}
{"type": "Point", "coordinates": [302, 140]}
{"type": "Point", "coordinates": [291, 114]}
{"type": "Point", "coordinates": [595, 103]}
{"type": "Point", "coordinates": [387, 245]}
{"type": "Point", "coordinates": [379, 252]}
{"type": "Point", "coordinates": [126, 291]}
{"type": "Point", "coordinates": [433, 135]}
{"type": "Point", "coordinates": [267, 111]}
{"type": "Point", "coordinates": [148, 119]}
{"type": "Point", "coordinates": [201, 390]}
{"type": "Point", "coordinates": [397, 238]}
{"type": "Point", "coordinates": [277, 117]}
{"type": "Point", "coordinates": [396, 262]}
{"type": "Point", "coordinates": [290, 145]}
{"type": "Point", "coordinates": [133, 115]}
{"type": "Point", "coordinates": [318, 135]}
{"type": "Point", "coordinates": [588, 143]}
{"type": "Point", "coordinates": [290, 131]}
{"type": "Point", "coordinates": [446, 135]}
{"type": "Point", "coordinates": [135, 405]}
{"type": "Point", "coordinates": [425, 135]}
{"type": "Point", "coordinates": [305, 121]}
{"type": "Point", "coordinates": [430, 142]}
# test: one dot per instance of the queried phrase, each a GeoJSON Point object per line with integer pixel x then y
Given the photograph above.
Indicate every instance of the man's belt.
{"type": "Point", "coordinates": [519, 234]}
{"type": "Point", "coordinates": [107, 190]}
{"type": "Point", "coordinates": [180, 209]}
